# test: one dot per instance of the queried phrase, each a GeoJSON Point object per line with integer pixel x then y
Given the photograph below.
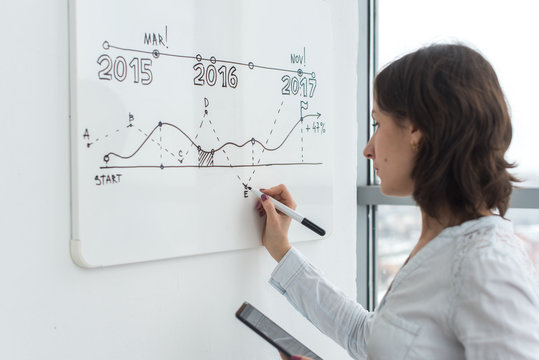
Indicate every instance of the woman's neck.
{"type": "Point", "coordinates": [432, 227]}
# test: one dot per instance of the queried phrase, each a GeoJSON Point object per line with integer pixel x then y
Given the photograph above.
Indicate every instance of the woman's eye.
{"type": "Point", "coordinates": [375, 124]}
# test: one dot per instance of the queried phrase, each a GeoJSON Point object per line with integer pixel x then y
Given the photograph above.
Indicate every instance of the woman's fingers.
{"type": "Point", "coordinates": [269, 209]}
{"type": "Point", "coordinates": [260, 208]}
{"type": "Point", "coordinates": [281, 193]}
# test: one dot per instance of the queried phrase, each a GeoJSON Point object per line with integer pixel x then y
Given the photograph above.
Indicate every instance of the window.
{"type": "Point", "coordinates": [397, 230]}
{"type": "Point", "coordinates": [505, 34]}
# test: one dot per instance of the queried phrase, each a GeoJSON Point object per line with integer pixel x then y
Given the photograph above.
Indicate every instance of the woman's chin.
{"type": "Point", "coordinates": [394, 191]}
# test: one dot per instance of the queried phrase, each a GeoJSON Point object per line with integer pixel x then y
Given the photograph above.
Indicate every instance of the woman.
{"type": "Point", "coordinates": [468, 289]}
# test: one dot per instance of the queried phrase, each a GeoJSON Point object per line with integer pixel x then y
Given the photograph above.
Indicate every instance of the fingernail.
{"type": "Point", "coordinates": [261, 213]}
{"type": "Point", "coordinates": [262, 189]}
{"type": "Point", "coordinates": [295, 357]}
{"type": "Point", "coordinates": [264, 197]}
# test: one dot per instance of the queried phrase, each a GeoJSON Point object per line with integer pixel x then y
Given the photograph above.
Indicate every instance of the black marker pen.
{"type": "Point", "coordinates": [294, 215]}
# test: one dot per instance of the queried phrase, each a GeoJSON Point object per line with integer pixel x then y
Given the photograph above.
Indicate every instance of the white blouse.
{"type": "Point", "coordinates": [471, 292]}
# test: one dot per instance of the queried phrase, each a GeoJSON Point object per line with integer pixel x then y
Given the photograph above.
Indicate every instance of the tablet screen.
{"type": "Point", "coordinates": [273, 333]}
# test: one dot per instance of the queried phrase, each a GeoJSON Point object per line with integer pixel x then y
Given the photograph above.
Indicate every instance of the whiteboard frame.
{"type": "Point", "coordinates": [76, 244]}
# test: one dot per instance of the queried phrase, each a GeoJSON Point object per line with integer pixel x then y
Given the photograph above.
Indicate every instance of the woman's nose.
{"type": "Point", "coordinates": [368, 152]}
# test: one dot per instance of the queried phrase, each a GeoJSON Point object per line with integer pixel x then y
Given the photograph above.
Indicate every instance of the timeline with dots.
{"type": "Point", "coordinates": [177, 107]}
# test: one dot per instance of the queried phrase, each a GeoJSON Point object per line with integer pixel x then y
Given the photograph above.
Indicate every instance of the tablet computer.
{"type": "Point", "coordinates": [273, 333]}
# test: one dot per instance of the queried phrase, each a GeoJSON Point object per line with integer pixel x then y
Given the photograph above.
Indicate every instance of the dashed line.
{"type": "Point", "coordinates": [196, 137]}
{"type": "Point", "coordinates": [160, 144]}
{"type": "Point", "coordinates": [142, 132]}
{"type": "Point", "coordinates": [223, 150]}
{"type": "Point", "coordinates": [267, 140]}
{"type": "Point", "coordinates": [229, 160]}
{"type": "Point", "coordinates": [106, 135]}
{"type": "Point", "coordinates": [302, 142]}
{"type": "Point", "coordinates": [161, 141]}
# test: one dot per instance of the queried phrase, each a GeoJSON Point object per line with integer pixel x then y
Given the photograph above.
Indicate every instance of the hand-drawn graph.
{"type": "Point", "coordinates": [167, 117]}
{"type": "Point", "coordinates": [206, 156]}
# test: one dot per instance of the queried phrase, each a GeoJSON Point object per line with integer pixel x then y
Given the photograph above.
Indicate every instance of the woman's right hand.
{"type": "Point", "coordinates": [275, 236]}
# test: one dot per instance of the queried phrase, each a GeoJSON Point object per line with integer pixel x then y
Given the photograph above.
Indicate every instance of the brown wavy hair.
{"type": "Point", "coordinates": [452, 95]}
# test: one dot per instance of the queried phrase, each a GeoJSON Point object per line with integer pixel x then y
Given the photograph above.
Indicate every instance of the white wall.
{"type": "Point", "coordinates": [174, 309]}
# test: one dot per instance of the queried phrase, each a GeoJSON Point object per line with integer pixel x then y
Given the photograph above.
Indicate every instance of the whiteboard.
{"type": "Point", "coordinates": [178, 106]}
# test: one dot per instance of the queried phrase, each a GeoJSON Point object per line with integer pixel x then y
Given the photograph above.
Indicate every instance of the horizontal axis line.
{"type": "Point", "coordinates": [206, 167]}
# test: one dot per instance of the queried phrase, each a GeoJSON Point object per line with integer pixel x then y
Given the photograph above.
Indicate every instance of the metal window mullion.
{"type": "Point", "coordinates": [371, 253]}
{"type": "Point", "coordinates": [364, 220]}
{"type": "Point", "coordinates": [522, 198]}
{"type": "Point", "coordinates": [371, 179]}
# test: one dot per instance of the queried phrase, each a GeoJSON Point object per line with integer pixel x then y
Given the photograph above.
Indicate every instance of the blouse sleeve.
{"type": "Point", "coordinates": [496, 314]}
{"type": "Point", "coordinates": [329, 309]}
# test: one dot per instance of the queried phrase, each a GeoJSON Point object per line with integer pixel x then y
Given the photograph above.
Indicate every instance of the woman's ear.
{"type": "Point", "coordinates": [415, 138]}
{"type": "Point", "coordinates": [415, 134]}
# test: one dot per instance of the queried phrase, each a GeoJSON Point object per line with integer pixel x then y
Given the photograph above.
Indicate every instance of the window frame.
{"type": "Point", "coordinates": [368, 192]}
{"type": "Point", "coordinates": [365, 213]}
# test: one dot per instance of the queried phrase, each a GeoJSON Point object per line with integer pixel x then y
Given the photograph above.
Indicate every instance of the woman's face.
{"type": "Point", "coordinates": [391, 150]}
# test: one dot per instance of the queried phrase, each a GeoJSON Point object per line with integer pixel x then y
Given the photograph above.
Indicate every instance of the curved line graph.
{"type": "Point", "coordinates": [253, 141]}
